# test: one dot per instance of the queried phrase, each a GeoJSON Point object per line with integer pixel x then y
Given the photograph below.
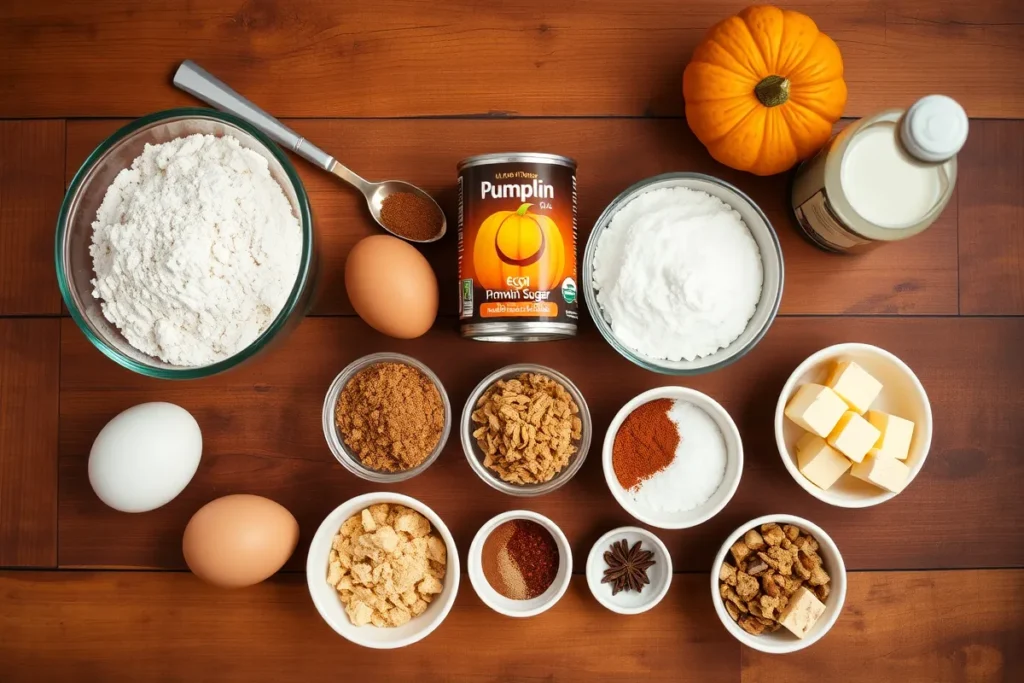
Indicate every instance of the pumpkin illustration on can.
{"type": "Point", "coordinates": [519, 244]}
{"type": "Point", "coordinates": [517, 247]}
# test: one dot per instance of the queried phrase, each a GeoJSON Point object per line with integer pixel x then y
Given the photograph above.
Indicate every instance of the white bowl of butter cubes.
{"type": "Point", "coordinates": [853, 425]}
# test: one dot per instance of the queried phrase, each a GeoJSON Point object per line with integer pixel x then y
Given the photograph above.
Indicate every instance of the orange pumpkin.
{"type": "Point", "coordinates": [518, 244]}
{"type": "Point", "coordinates": [763, 89]}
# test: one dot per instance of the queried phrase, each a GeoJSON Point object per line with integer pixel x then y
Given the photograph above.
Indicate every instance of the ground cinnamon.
{"type": "Point", "coordinates": [411, 216]}
{"type": "Point", "coordinates": [645, 443]}
{"type": "Point", "coordinates": [391, 416]}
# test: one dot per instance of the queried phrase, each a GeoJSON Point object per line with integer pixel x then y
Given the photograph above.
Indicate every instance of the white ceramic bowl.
{"type": "Point", "coordinates": [733, 468]}
{"type": "Point", "coordinates": [782, 641]}
{"type": "Point", "coordinates": [902, 395]}
{"type": "Point", "coordinates": [519, 608]}
{"type": "Point", "coordinates": [660, 575]}
{"type": "Point", "coordinates": [325, 598]}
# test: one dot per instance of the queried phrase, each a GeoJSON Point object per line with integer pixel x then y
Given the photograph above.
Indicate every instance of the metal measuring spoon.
{"type": "Point", "coordinates": [193, 79]}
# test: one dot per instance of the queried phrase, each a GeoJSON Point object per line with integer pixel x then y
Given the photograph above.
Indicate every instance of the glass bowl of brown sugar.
{"type": "Point", "coordinates": [386, 417]}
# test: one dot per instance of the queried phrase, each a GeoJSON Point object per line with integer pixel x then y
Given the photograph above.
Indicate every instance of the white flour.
{"type": "Point", "coordinates": [195, 250]}
{"type": "Point", "coordinates": [678, 274]}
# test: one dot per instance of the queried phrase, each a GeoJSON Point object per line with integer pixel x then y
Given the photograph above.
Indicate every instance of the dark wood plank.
{"type": "Point", "coordinates": [87, 626]}
{"type": "Point", "coordinates": [262, 435]}
{"type": "Point", "coordinates": [915, 277]}
{"type": "Point", "coordinates": [991, 188]}
{"type": "Point", "coordinates": [527, 57]}
{"type": "Point", "coordinates": [956, 627]}
{"type": "Point", "coordinates": [31, 186]}
{"type": "Point", "coordinates": [29, 369]}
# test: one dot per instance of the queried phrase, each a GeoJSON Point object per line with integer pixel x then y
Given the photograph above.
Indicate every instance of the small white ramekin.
{"type": "Point", "coordinates": [520, 608]}
{"type": "Point", "coordinates": [782, 641]}
{"type": "Point", "coordinates": [902, 395]}
{"type": "Point", "coordinates": [733, 467]}
{"type": "Point", "coordinates": [660, 575]}
{"type": "Point", "coordinates": [325, 597]}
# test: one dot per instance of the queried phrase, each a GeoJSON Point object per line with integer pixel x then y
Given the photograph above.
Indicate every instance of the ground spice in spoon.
{"type": "Point", "coordinates": [520, 559]}
{"type": "Point", "coordinates": [411, 216]}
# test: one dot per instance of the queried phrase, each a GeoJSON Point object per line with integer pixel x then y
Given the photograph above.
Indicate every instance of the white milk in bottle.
{"type": "Point", "coordinates": [884, 178]}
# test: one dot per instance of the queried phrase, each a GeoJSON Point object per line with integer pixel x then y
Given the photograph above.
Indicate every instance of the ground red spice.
{"type": "Point", "coordinates": [535, 553]}
{"type": "Point", "coordinates": [410, 215]}
{"type": "Point", "coordinates": [645, 443]}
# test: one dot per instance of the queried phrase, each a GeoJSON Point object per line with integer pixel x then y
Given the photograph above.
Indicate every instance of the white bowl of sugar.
{"type": "Point", "coordinates": [678, 459]}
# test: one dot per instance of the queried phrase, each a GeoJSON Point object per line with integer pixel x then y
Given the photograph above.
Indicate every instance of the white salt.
{"type": "Point", "coordinates": [696, 471]}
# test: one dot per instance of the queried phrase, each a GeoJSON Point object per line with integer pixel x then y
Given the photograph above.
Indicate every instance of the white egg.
{"type": "Point", "coordinates": [145, 457]}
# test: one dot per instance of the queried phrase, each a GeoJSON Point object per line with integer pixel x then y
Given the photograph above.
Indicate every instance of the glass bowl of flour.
{"type": "Point", "coordinates": [683, 274]}
{"type": "Point", "coordinates": [185, 244]}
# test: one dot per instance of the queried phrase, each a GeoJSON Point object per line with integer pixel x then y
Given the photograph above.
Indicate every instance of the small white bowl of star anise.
{"type": "Point", "coordinates": [629, 570]}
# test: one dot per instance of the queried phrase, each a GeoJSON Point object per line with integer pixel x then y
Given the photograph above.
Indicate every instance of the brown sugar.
{"type": "Point", "coordinates": [391, 416]}
{"type": "Point", "coordinates": [645, 443]}
{"type": "Point", "coordinates": [411, 216]}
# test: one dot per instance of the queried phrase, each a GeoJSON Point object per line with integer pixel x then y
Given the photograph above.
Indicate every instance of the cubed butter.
{"type": "Point", "coordinates": [816, 408]}
{"type": "Point", "coordinates": [854, 385]}
{"type": "Point", "coordinates": [853, 436]}
{"type": "Point", "coordinates": [802, 612]}
{"type": "Point", "coordinates": [896, 434]}
{"type": "Point", "coordinates": [884, 472]}
{"type": "Point", "coordinates": [819, 462]}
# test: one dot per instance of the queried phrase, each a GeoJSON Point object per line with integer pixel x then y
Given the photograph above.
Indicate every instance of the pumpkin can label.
{"type": "Point", "coordinates": [517, 247]}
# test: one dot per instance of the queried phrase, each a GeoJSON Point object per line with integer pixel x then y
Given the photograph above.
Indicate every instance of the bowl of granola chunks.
{"type": "Point", "coordinates": [778, 583]}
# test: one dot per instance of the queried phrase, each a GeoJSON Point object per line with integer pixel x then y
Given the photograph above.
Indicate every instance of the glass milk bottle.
{"type": "Point", "coordinates": [883, 178]}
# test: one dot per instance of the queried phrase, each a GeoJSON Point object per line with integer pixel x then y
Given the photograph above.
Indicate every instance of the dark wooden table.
{"type": "Point", "coordinates": [405, 89]}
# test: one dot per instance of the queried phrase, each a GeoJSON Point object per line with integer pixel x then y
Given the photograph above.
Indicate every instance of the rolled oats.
{"type": "Point", "coordinates": [529, 428]}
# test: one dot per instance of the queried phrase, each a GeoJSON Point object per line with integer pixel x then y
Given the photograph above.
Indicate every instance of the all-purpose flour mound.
{"type": "Point", "coordinates": [678, 274]}
{"type": "Point", "coordinates": [195, 250]}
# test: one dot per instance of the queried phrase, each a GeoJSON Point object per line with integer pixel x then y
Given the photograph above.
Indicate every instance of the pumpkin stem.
{"type": "Point", "coordinates": [521, 211]}
{"type": "Point", "coordinates": [772, 91]}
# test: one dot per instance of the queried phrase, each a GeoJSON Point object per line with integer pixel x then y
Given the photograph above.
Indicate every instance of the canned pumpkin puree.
{"type": "Point", "coordinates": [517, 247]}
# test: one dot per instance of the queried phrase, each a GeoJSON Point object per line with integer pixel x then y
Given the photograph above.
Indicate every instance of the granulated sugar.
{"type": "Point", "coordinates": [678, 274]}
{"type": "Point", "coordinates": [195, 250]}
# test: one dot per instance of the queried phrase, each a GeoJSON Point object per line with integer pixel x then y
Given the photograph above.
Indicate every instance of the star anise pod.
{"type": "Point", "coordinates": [627, 567]}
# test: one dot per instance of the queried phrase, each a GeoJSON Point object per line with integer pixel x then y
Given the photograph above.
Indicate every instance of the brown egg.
{"type": "Point", "coordinates": [239, 540]}
{"type": "Point", "coordinates": [391, 286]}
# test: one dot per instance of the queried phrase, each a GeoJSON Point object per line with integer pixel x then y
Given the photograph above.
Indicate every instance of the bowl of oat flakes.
{"type": "Point", "coordinates": [526, 429]}
{"type": "Point", "coordinates": [383, 570]}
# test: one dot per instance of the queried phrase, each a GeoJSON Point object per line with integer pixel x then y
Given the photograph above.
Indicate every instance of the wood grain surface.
{"type": "Point", "coordinates": [991, 235]}
{"type": "Point", "coordinates": [31, 187]}
{"type": "Point", "coordinates": [403, 88]}
{"type": "Point", "coordinates": [918, 277]}
{"type": "Point", "coordinates": [521, 57]}
{"type": "Point", "coordinates": [262, 434]}
{"type": "Point", "coordinates": [29, 369]}
{"type": "Point", "coordinates": [895, 626]}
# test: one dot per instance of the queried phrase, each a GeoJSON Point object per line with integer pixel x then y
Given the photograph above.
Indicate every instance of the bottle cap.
{"type": "Point", "coordinates": [934, 128]}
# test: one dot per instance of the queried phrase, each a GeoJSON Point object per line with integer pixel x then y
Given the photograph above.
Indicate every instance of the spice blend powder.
{"type": "Point", "coordinates": [391, 416]}
{"type": "Point", "coordinates": [645, 443]}
{"type": "Point", "coordinates": [520, 559]}
{"type": "Point", "coordinates": [410, 215]}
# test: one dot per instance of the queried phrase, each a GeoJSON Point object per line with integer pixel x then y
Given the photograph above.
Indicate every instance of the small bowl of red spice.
{"type": "Point", "coordinates": [520, 563]}
{"type": "Point", "coordinates": [673, 457]}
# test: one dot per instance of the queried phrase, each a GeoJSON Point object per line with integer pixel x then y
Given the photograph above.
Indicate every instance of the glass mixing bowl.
{"type": "Point", "coordinates": [771, 263]}
{"type": "Point", "coordinates": [74, 233]}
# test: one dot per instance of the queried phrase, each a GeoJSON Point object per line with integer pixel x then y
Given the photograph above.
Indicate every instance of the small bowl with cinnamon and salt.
{"type": "Point", "coordinates": [386, 417]}
{"type": "Point", "coordinates": [673, 457]}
